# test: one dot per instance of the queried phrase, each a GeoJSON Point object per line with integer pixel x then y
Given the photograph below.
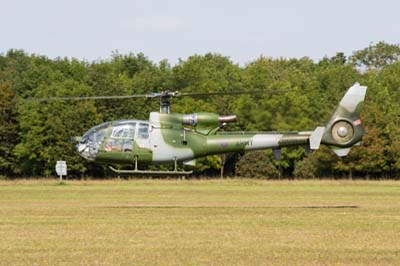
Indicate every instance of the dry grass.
{"type": "Point", "coordinates": [231, 222]}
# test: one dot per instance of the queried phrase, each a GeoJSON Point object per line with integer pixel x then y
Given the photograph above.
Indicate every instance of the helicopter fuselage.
{"type": "Point", "coordinates": [175, 137]}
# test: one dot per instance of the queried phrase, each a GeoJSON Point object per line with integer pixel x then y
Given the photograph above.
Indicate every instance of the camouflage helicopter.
{"type": "Point", "coordinates": [181, 138]}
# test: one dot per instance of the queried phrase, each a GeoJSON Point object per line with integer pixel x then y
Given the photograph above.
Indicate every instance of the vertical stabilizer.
{"type": "Point", "coordinates": [344, 129]}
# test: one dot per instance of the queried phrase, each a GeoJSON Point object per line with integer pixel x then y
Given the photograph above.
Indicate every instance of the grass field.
{"type": "Point", "coordinates": [170, 222]}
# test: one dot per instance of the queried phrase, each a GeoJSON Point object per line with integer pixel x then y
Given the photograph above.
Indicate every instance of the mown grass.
{"type": "Point", "coordinates": [170, 222]}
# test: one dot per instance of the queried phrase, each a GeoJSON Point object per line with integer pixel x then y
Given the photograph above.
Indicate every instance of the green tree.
{"type": "Point", "coordinates": [256, 164]}
{"type": "Point", "coordinates": [376, 56]}
{"type": "Point", "coordinates": [46, 129]}
{"type": "Point", "coordinates": [8, 129]}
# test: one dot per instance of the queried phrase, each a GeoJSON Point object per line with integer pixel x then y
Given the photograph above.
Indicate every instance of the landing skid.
{"type": "Point", "coordinates": [151, 172]}
{"type": "Point", "coordinates": [137, 171]}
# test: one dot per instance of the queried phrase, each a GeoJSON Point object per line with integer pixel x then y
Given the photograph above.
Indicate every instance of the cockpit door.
{"type": "Point", "coordinates": [118, 145]}
{"type": "Point", "coordinates": [121, 138]}
{"type": "Point", "coordinates": [142, 139]}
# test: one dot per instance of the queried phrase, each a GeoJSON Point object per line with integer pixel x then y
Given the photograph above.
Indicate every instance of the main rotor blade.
{"type": "Point", "coordinates": [199, 94]}
{"type": "Point", "coordinates": [163, 94]}
{"type": "Point", "coordinates": [81, 98]}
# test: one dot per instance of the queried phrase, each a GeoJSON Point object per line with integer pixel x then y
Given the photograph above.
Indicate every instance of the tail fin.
{"type": "Point", "coordinates": [344, 129]}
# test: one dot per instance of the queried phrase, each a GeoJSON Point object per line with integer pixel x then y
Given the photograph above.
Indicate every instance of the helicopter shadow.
{"type": "Point", "coordinates": [231, 207]}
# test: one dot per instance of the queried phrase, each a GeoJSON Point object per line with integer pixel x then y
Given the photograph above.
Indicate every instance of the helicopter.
{"type": "Point", "coordinates": [169, 137]}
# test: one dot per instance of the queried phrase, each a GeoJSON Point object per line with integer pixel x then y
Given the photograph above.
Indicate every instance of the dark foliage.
{"type": "Point", "coordinates": [33, 135]}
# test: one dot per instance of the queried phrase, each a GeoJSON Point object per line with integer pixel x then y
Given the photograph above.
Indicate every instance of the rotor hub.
{"type": "Point", "coordinates": [342, 132]}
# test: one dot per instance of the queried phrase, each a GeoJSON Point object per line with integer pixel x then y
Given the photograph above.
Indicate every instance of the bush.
{"type": "Point", "coordinates": [256, 165]}
{"type": "Point", "coordinates": [305, 168]}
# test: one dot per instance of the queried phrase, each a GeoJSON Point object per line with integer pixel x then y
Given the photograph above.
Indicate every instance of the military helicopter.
{"type": "Point", "coordinates": [169, 137]}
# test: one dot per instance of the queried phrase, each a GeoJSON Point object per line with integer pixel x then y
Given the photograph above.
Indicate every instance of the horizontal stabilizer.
{"type": "Point", "coordinates": [315, 138]}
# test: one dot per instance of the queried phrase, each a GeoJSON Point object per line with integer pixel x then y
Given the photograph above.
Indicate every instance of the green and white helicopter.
{"type": "Point", "coordinates": [181, 138]}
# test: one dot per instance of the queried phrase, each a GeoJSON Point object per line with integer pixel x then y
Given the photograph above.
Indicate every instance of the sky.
{"type": "Point", "coordinates": [173, 30]}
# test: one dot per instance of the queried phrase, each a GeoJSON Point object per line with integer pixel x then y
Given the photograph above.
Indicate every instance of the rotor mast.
{"type": "Point", "coordinates": [165, 105]}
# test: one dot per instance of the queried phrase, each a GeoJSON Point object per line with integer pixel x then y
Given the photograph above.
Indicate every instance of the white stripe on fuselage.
{"type": "Point", "coordinates": [263, 141]}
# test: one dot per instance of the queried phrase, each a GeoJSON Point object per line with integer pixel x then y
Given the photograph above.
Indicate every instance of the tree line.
{"type": "Point", "coordinates": [34, 135]}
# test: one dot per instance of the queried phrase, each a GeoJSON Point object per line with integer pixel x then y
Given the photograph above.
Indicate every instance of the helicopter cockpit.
{"type": "Point", "coordinates": [118, 136]}
{"type": "Point", "coordinates": [90, 142]}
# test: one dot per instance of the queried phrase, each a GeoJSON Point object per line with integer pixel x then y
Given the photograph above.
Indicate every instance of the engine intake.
{"type": "Point", "coordinates": [206, 122]}
{"type": "Point", "coordinates": [207, 119]}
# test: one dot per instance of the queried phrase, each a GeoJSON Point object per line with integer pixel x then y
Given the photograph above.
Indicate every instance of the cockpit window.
{"type": "Point", "coordinates": [143, 130]}
{"type": "Point", "coordinates": [95, 134]}
{"type": "Point", "coordinates": [90, 142]}
{"type": "Point", "coordinates": [99, 135]}
{"type": "Point", "coordinates": [126, 131]}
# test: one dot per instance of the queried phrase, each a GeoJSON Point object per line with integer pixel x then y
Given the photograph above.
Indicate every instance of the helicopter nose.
{"type": "Point", "coordinates": [84, 151]}
{"type": "Point", "coordinates": [80, 147]}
